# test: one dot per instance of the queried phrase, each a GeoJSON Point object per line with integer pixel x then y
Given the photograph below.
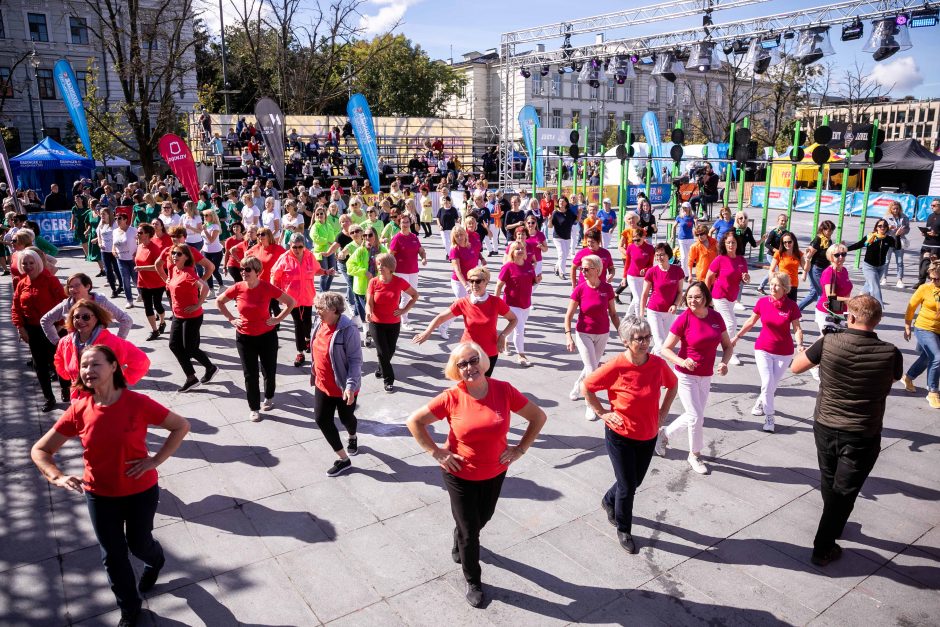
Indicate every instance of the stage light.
{"type": "Point", "coordinates": [853, 31]}
{"type": "Point", "coordinates": [924, 17]}
{"type": "Point", "coordinates": [623, 69]}
{"type": "Point", "coordinates": [561, 70]}
{"type": "Point", "coordinates": [789, 34]}
{"type": "Point", "coordinates": [769, 43]}
{"type": "Point", "coordinates": [667, 66]}
{"type": "Point", "coordinates": [813, 44]}
{"type": "Point", "coordinates": [545, 70]}
{"type": "Point", "coordinates": [707, 20]}
{"type": "Point", "coordinates": [758, 58]}
{"type": "Point", "coordinates": [595, 63]}
{"type": "Point", "coordinates": [901, 19]}
{"type": "Point", "coordinates": [525, 73]}
{"type": "Point", "coordinates": [634, 59]}
{"type": "Point", "coordinates": [741, 46]}
{"type": "Point", "coordinates": [576, 66]}
{"type": "Point", "coordinates": [728, 48]}
{"type": "Point", "coordinates": [702, 57]}
{"type": "Point", "coordinates": [887, 38]}
{"type": "Point", "coordinates": [606, 64]}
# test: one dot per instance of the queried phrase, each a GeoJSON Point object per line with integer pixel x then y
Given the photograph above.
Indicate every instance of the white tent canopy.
{"type": "Point", "coordinates": [113, 162]}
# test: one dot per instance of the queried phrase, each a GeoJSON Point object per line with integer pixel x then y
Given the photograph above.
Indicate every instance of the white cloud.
{"type": "Point", "coordinates": [901, 74]}
{"type": "Point", "coordinates": [389, 13]}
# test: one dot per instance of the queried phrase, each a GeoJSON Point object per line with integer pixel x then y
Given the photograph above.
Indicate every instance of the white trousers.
{"type": "Point", "coordinates": [518, 334]}
{"type": "Point", "coordinates": [445, 238]}
{"type": "Point", "coordinates": [563, 248]}
{"type": "Point", "coordinates": [693, 393]}
{"type": "Point", "coordinates": [771, 368]}
{"type": "Point", "coordinates": [660, 322]}
{"type": "Point", "coordinates": [459, 292]}
{"type": "Point", "coordinates": [725, 309]}
{"type": "Point", "coordinates": [685, 246]}
{"type": "Point", "coordinates": [412, 279]}
{"type": "Point", "coordinates": [605, 238]}
{"type": "Point", "coordinates": [591, 348]}
{"type": "Point", "coordinates": [635, 283]}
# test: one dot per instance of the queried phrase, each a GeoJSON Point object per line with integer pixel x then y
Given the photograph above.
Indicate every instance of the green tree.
{"type": "Point", "coordinates": [104, 121]}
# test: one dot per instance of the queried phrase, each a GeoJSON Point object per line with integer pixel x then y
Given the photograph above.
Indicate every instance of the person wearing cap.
{"type": "Point", "coordinates": [685, 234]}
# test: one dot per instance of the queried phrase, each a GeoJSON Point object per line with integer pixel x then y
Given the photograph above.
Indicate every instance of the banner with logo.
{"type": "Point", "coordinates": [54, 226]}
{"type": "Point", "coordinates": [554, 136]}
{"type": "Point", "coordinates": [8, 174]}
{"type": "Point", "coordinates": [68, 87]}
{"type": "Point", "coordinates": [271, 124]}
{"type": "Point", "coordinates": [175, 151]}
{"type": "Point", "coordinates": [655, 140]}
{"type": "Point", "coordinates": [363, 128]}
{"type": "Point", "coordinates": [528, 125]}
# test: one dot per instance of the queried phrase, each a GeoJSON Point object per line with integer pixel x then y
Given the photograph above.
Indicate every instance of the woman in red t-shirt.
{"type": "Point", "coordinates": [632, 380]}
{"type": "Point", "coordinates": [256, 331]}
{"type": "Point", "coordinates": [477, 454]}
{"type": "Point", "coordinates": [480, 312]}
{"type": "Point", "coordinates": [234, 251]}
{"type": "Point", "coordinates": [188, 293]}
{"type": "Point", "coordinates": [160, 236]}
{"type": "Point", "coordinates": [385, 313]}
{"type": "Point", "coordinates": [120, 478]}
{"type": "Point", "coordinates": [149, 283]}
{"type": "Point", "coordinates": [267, 251]}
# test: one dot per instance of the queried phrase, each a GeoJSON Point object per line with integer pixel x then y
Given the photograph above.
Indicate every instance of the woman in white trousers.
{"type": "Point", "coordinates": [517, 278]}
{"type": "Point", "coordinates": [463, 258]}
{"type": "Point", "coordinates": [662, 295]}
{"type": "Point", "coordinates": [726, 274]}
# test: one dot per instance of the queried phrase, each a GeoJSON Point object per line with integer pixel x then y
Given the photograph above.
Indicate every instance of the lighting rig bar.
{"type": "Point", "coordinates": [827, 15]}
{"type": "Point", "coordinates": [622, 19]}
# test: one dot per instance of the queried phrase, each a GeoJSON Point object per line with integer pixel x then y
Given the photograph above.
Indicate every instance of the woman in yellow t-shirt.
{"type": "Point", "coordinates": [927, 333]}
{"type": "Point", "coordinates": [787, 259]}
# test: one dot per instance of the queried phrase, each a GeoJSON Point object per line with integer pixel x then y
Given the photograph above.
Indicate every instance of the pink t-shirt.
{"type": "Point", "coordinates": [728, 273]}
{"type": "Point", "coordinates": [776, 317]}
{"type": "Point", "coordinates": [465, 257]}
{"type": "Point", "coordinates": [476, 244]}
{"type": "Point", "coordinates": [606, 260]}
{"type": "Point", "coordinates": [530, 250]}
{"type": "Point", "coordinates": [699, 339]}
{"type": "Point", "coordinates": [536, 241]}
{"type": "Point", "coordinates": [638, 258]}
{"type": "Point", "coordinates": [665, 287]}
{"type": "Point", "coordinates": [519, 280]}
{"type": "Point", "coordinates": [405, 247]}
{"type": "Point", "coordinates": [842, 283]}
{"type": "Point", "coordinates": [594, 304]}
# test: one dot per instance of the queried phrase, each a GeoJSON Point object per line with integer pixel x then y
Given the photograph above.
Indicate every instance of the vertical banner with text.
{"type": "Point", "coordinates": [271, 124]}
{"type": "Point", "coordinates": [72, 97]}
{"type": "Point", "coordinates": [175, 151]}
{"type": "Point", "coordinates": [364, 129]}
{"type": "Point", "coordinates": [654, 140]}
{"type": "Point", "coordinates": [529, 124]}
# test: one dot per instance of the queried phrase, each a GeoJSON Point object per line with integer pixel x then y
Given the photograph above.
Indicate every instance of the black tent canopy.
{"type": "Point", "coordinates": [905, 164]}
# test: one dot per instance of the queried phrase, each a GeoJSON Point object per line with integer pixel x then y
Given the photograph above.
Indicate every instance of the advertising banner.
{"type": "Point", "coordinates": [659, 194]}
{"type": "Point", "coordinates": [778, 197]}
{"type": "Point", "coordinates": [655, 140]}
{"type": "Point", "coordinates": [554, 136]}
{"type": "Point", "coordinates": [357, 109]}
{"type": "Point", "coordinates": [271, 124]}
{"type": "Point", "coordinates": [529, 124]}
{"type": "Point", "coordinates": [54, 226]}
{"type": "Point", "coordinates": [175, 151]}
{"type": "Point", "coordinates": [68, 87]}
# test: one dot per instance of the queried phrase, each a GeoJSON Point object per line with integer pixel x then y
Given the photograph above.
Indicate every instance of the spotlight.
{"type": "Point", "coordinates": [576, 66]}
{"type": "Point", "coordinates": [741, 46]}
{"type": "Point", "coordinates": [634, 59]}
{"type": "Point", "coordinates": [758, 58]}
{"type": "Point", "coordinates": [545, 70]}
{"type": "Point", "coordinates": [525, 73]}
{"type": "Point", "coordinates": [561, 70]}
{"type": "Point", "coordinates": [853, 31]}
{"type": "Point", "coordinates": [887, 38]}
{"type": "Point", "coordinates": [924, 17]}
{"type": "Point", "coordinates": [606, 64]}
{"type": "Point", "coordinates": [701, 57]}
{"type": "Point", "coordinates": [901, 19]}
{"type": "Point", "coordinates": [667, 66]}
{"type": "Point", "coordinates": [623, 69]}
{"type": "Point", "coordinates": [592, 73]}
{"type": "Point", "coordinates": [728, 48]}
{"type": "Point", "coordinates": [813, 44]}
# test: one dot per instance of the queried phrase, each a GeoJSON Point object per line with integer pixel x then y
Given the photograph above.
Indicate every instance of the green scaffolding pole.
{"type": "Point", "coordinates": [871, 157]}
{"type": "Point", "coordinates": [791, 192]}
{"type": "Point", "coordinates": [561, 167]}
{"type": "Point", "coordinates": [600, 191]}
{"type": "Point", "coordinates": [574, 172]}
{"type": "Point", "coordinates": [728, 175]}
{"type": "Point", "coordinates": [747, 124]}
{"type": "Point", "coordinates": [763, 223]}
{"type": "Point", "coordinates": [845, 188]}
{"type": "Point", "coordinates": [819, 182]}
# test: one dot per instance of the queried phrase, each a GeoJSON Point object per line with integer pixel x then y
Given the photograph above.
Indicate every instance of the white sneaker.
{"type": "Point", "coordinates": [589, 414]}
{"type": "Point", "coordinates": [814, 372]}
{"type": "Point", "coordinates": [661, 442]}
{"type": "Point", "coordinates": [407, 326]}
{"type": "Point", "coordinates": [899, 284]}
{"type": "Point", "coordinates": [268, 404]}
{"type": "Point", "coordinates": [129, 306]}
{"type": "Point", "coordinates": [769, 424]}
{"type": "Point", "coordinates": [884, 280]}
{"type": "Point", "coordinates": [444, 333]}
{"type": "Point", "coordinates": [254, 416]}
{"type": "Point", "coordinates": [739, 307]}
{"type": "Point", "coordinates": [697, 465]}
{"type": "Point", "coordinates": [735, 360]}
{"type": "Point", "coordinates": [575, 393]}
{"type": "Point", "coordinates": [758, 409]}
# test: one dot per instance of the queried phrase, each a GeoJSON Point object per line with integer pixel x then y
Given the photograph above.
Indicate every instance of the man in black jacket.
{"type": "Point", "coordinates": [856, 371]}
{"type": "Point", "coordinates": [56, 200]}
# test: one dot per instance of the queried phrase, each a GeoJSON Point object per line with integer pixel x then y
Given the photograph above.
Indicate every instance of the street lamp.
{"type": "Point", "coordinates": [36, 62]}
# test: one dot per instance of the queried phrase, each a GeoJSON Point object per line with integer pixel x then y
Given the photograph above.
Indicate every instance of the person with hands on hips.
{"type": "Point", "coordinates": [477, 454]}
{"type": "Point", "coordinates": [187, 293]}
{"type": "Point", "coordinates": [632, 380]}
{"type": "Point", "coordinates": [120, 476]}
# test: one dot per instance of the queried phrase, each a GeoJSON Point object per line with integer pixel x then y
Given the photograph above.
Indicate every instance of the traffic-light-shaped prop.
{"type": "Point", "coordinates": [677, 137]}
{"type": "Point", "coordinates": [876, 154]}
{"type": "Point", "coordinates": [573, 150]}
{"type": "Point", "coordinates": [624, 148]}
{"type": "Point", "coordinates": [740, 150]}
{"type": "Point", "coordinates": [798, 153]}
{"type": "Point", "coordinates": [821, 153]}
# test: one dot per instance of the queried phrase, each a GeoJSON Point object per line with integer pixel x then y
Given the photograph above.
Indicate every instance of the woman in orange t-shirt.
{"type": "Point", "coordinates": [477, 453]}
{"type": "Point", "coordinates": [702, 253]}
{"type": "Point", "coordinates": [787, 259]}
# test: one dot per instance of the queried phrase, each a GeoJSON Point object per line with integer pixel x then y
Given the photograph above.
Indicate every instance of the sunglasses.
{"type": "Point", "coordinates": [355, 232]}
{"type": "Point", "coordinates": [245, 269]}
{"type": "Point", "coordinates": [840, 255]}
{"type": "Point", "coordinates": [642, 339]}
{"type": "Point", "coordinates": [370, 235]}
{"type": "Point", "coordinates": [298, 247]}
{"type": "Point", "coordinates": [475, 281]}
{"type": "Point", "coordinates": [82, 317]}
{"type": "Point", "coordinates": [463, 365]}
{"type": "Point", "coordinates": [122, 217]}
{"type": "Point", "coordinates": [176, 254]}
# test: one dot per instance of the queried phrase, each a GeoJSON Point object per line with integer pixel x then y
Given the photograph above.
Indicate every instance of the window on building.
{"type": "Point", "coordinates": [82, 80]}
{"type": "Point", "coordinates": [628, 118]}
{"type": "Point", "coordinates": [46, 84]}
{"type": "Point", "coordinates": [670, 93]}
{"type": "Point", "coordinates": [928, 131]}
{"type": "Point", "coordinates": [575, 87]}
{"type": "Point", "coordinates": [3, 30]}
{"type": "Point", "coordinates": [536, 85]}
{"type": "Point", "coordinates": [54, 133]}
{"type": "Point", "coordinates": [575, 117]}
{"type": "Point", "coordinates": [6, 85]}
{"type": "Point", "coordinates": [594, 93]}
{"type": "Point", "coordinates": [611, 121]}
{"type": "Point", "coordinates": [611, 90]}
{"type": "Point", "coordinates": [719, 95]}
{"type": "Point", "coordinates": [670, 120]}
{"type": "Point", "coordinates": [687, 94]}
{"type": "Point", "coordinates": [901, 117]}
{"type": "Point", "coordinates": [78, 28]}
{"type": "Point", "coordinates": [538, 113]}
{"type": "Point", "coordinates": [920, 130]}
{"type": "Point", "coordinates": [556, 118]}
{"type": "Point", "coordinates": [628, 91]}
{"type": "Point", "coordinates": [653, 91]}
{"type": "Point", "coordinates": [38, 31]}
{"type": "Point", "coordinates": [592, 122]}
{"type": "Point", "coordinates": [556, 85]}
{"type": "Point", "coordinates": [891, 117]}
{"type": "Point", "coordinates": [702, 93]}
{"type": "Point", "coordinates": [920, 115]}
{"type": "Point", "coordinates": [930, 114]}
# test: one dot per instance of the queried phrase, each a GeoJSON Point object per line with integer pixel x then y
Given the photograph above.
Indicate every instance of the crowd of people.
{"type": "Point", "coordinates": [265, 256]}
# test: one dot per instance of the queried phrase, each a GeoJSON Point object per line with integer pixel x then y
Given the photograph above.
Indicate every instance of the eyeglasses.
{"type": "Point", "coordinates": [586, 268]}
{"type": "Point", "coordinates": [881, 226]}
{"type": "Point", "coordinates": [122, 217]}
{"type": "Point", "coordinates": [475, 281]}
{"type": "Point", "coordinates": [297, 246]}
{"type": "Point", "coordinates": [642, 339]}
{"type": "Point", "coordinates": [703, 235]}
{"type": "Point", "coordinates": [82, 317]}
{"type": "Point", "coordinates": [355, 232]}
{"type": "Point", "coordinates": [370, 235]}
{"type": "Point", "coordinates": [176, 254]}
{"type": "Point", "coordinates": [463, 365]}
{"type": "Point", "coordinates": [248, 269]}
{"type": "Point", "coordinates": [840, 255]}
{"type": "Point", "coordinates": [788, 241]}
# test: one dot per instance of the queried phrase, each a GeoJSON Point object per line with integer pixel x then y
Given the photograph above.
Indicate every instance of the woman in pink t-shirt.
{"type": "Point", "coordinates": [407, 248]}
{"type": "Point", "coordinates": [593, 299]}
{"type": "Point", "coordinates": [463, 259]}
{"type": "Point", "coordinates": [638, 257]}
{"type": "Point", "coordinates": [662, 295]}
{"type": "Point", "coordinates": [725, 275]}
{"type": "Point", "coordinates": [701, 330]}
{"type": "Point", "coordinates": [537, 238]}
{"type": "Point", "coordinates": [593, 246]}
{"type": "Point", "coordinates": [836, 288]}
{"type": "Point", "coordinates": [773, 350]}
{"type": "Point", "coordinates": [518, 278]}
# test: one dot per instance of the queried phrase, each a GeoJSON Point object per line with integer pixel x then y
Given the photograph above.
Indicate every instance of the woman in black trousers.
{"type": "Point", "coordinates": [383, 297]}
{"type": "Point", "coordinates": [188, 293]}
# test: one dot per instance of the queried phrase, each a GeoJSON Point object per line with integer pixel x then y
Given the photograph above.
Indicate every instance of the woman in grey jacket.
{"type": "Point", "coordinates": [79, 286]}
{"type": "Point", "coordinates": [336, 375]}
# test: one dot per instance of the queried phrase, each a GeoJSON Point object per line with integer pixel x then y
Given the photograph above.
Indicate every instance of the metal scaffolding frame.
{"type": "Point", "coordinates": [791, 21]}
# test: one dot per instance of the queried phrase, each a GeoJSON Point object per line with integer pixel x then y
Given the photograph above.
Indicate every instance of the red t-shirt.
{"type": "Point", "coordinates": [405, 248]}
{"type": "Point", "coordinates": [147, 255]}
{"type": "Point", "coordinates": [478, 427]}
{"type": "Point", "coordinates": [480, 321]}
{"type": "Point", "coordinates": [253, 305]}
{"type": "Point", "coordinates": [385, 298]}
{"type": "Point", "coordinates": [184, 292]}
{"type": "Point", "coordinates": [168, 260]}
{"type": "Point", "coordinates": [164, 241]}
{"type": "Point", "coordinates": [324, 377]}
{"type": "Point", "coordinates": [546, 207]}
{"type": "Point", "coordinates": [111, 437]}
{"type": "Point", "coordinates": [236, 251]}
{"type": "Point", "coordinates": [267, 255]}
{"type": "Point", "coordinates": [633, 392]}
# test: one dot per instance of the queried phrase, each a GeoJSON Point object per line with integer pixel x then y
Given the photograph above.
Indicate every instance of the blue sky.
{"type": "Point", "coordinates": [439, 25]}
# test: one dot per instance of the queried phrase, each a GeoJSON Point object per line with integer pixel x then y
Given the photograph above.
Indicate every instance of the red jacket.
{"type": "Point", "coordinates": [34, 297]}
{"type": "Point", "coordinates": [296, 277]}
{"type": "Point", "coordinates": [134, 362]}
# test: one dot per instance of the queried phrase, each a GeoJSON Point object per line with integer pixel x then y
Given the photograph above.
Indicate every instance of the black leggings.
{"type": "Point", "coordinates": [43, 352]}
{"type": "Point", "coordinates": [153, 300]}
{"type": "Point", "coordinates": [184, 344]}
{"type": "Point", "coordinates": [386, 340]}
{"type": "Point", "coordinates": [493, 358]}
{"type": "Point", "coordinates": [427, 228]}
{"type": "Point", "coordinates": [303, 319]}
{"type": "Point", "coordinates": [216, 259]}
{"type": "Point", "coordinates": [252, 351]}
{"type": "Point", "coordinates": [325, 408]}
{"type": "Point", "coordinates": [472, 503]}
{"type": "Point", "coordinates": [236, 273]}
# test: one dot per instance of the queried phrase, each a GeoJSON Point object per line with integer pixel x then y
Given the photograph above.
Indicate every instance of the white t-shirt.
{"type": "Point", "coordinates": [106, 236]}
{"type": "Point", "coordinates": [288, 222]}
{"type": "Point", "coordinates": [212, 247]}
{"type": "Point", "coordinates": [169, 221]}
{"type": "Point", "coordinates": [192, 237]}
{"type": "Point", "coordinates": [125, 243]}
{"type": "Point", "coordinates": [267, 220]}
{"type": "Point", "coordinates": [250, 215]}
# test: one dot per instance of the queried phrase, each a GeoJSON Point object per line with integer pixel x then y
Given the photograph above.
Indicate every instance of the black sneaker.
{"type": "Point", "coordinates": [129, 618]}
{"type": "Point", "coordinates": [339, 467]}
{"type": "Point", "coordinates": [154, 335]}
{"type": "Point", "coordinates": [48, 406]}
{"type": "Point", "coordinates": [149, 577]}
{"type": "Point", "coordinates": [378, 374]}
{"type": "Point", "coordinates": [162, 328]}
{"type": "Point", "coordinates": [389, 388]}
{"type": "Point", "coordinates": [610, 513]}
{"type": "Point", "coordinates": [827, 557]}
{"type": "Point", "coordinates": [626, 541]}
{"type": "Point", "coordinates": [66, 396]}
{"type": "Point", "coordinates": [190, 383]}
{"type": "Point", "coordinates": [210, 372]}
{"type": "Point", "coordinates": [352, 446]}
{"type": "Point", "coordinates": [115, 293]}
{"type": "Point", "coordinates": [474, 594]}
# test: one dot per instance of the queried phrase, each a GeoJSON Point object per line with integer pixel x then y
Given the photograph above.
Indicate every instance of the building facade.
{"type": "Point", "coordinates": [901, 119]}
{"type": "Point", "coordinates": [33, 36]}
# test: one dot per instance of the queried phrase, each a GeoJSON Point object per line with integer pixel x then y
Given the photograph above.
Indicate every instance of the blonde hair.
{"type": "Point", "coordinates": [452, 372]}
{"type": "Point", "coordinates": [479, 271]}
{"type": "Point", "coordinates": [782, 278]}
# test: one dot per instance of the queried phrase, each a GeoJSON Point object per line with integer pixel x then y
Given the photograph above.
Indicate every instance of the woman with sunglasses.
{"type": "Point", "coordinates": [124, 247]}
{"type": "Point", "coordinates": [149, 281]}
{"type": "Point", "coordinates": [633, 381]}
{"type": "Point", "coordinates": [86, 323]}
{"type": "Point", "coordinates": [662, 295]}
{"type": "Point", "coordinates": [725, 276]}
{"type": "Point", "coordinates": [518, 278]}
{"type": "Point", "coordinates": [700, 330]}
{"type": "Point", "coordinates": [187, 293]}
{"type": "Point", "coordinates": [267, 251]}
{"type": "Point", "coordinates": [836, 290]}
{"type": "Point", "coordinates": [536, 240]}
{"type": "Point", "coordinates": [477, 455]}
{"type": "Point", "coordinates": [815, 260]}
{"type": "Point", "coordinates": [593, 299]}
{"type": "Point", "coordinates": [701, 255]}
{"type": "Point", "coordinates": [294, 273]}
{"type": "Point", "coordinates": [388, 299]}
{"type": "Point", "coordinates": [292, 221]}
{"type": "Point", "coordinates": [773, 351]}
{"type": "Point", "coordinates": [898, 227]}
{"type": "Point", "coordinates": [638, 258]}
{"type": "Point", "coordinates": [926, 330]}
{"type": "Point", "coordinates": [192, 222]}
{"type": "Point", "coordinates": [878, 245]}
{"type": "Point", "coordinates": [323, 235]}
{"type": "Point", "coordinates": [256, 331]}
{"type": "Point", "coordinates": [463, 258]}
{"type": "Point", "coordinates": [592, 246]}
{"type": "Point", "coordinates": [787, 259]}
{"type": "Point", "coordinates": [407, 249]}
{"type": "Point", "coordinates": [481, 313]}
{"type": "Point", "coordinates": [212, 247]}
{"type": "Point", "coordinates": [104, 235]}
{"type": "Point", "coordinates": [361, 267]}
{"type": "Point", "coordinates": [79, 287]}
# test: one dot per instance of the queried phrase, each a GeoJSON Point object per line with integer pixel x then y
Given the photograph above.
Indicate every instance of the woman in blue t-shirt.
{"type": "Point", "coordinates": [685, 233]}
{"type": "Point", "coordinates": [722, 225]}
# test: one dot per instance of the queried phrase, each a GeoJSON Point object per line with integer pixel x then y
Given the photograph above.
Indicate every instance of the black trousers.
{"type": "Point", "coordinates": [472, 503]}
{"type": "Point", "coordinates": [386, 340]}
{"type": "Point", "coordinates": [630, 459]}
{"type": "Point", "coordinates": [325, 408]}
{"type": "Point", "coordinates": [43, 352]}
{"type": "Point", "coordinates": [493, 358]}
{"type": "Point", "coordinates": [235, 273]}
{"type": "Point", "coordinates": [122, 524]}
{"type": "Point", "coordinates": [216, 259]}
{"type": "Point", "coordinates": [427, 228]}
{"type": "Point", "coordinates": [153, 300]}
{"type": "Point", "coordinates": [845, 461]}
{"type": "Point", "coordinates": [303, 320]}
{"type": "Point", "coordinates": [255, 350]}
{"type": "Point", "coordinates": [184, 344]}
